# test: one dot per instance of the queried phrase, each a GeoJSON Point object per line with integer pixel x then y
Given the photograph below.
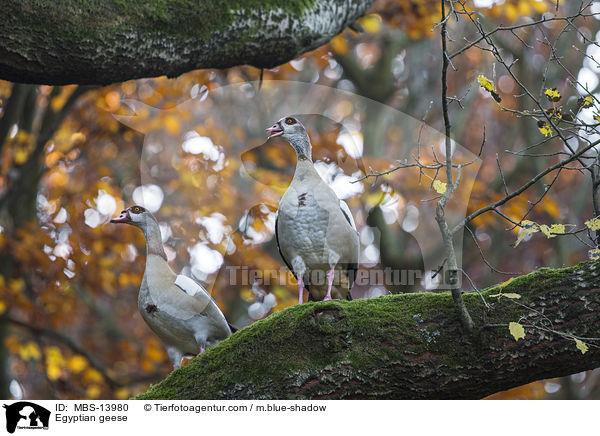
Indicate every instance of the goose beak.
{"type": "Point", "coordinates": [123, 218]}
{"type": "Point", "coordinates": [274, 130]}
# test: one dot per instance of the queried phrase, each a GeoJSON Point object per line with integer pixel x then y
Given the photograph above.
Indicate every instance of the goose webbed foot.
{"type": "Point", "coordinates": [330, 276]}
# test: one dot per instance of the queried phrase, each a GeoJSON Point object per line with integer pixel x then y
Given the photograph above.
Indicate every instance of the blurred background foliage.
{"type": "Point", "coordinates": [69, 281]}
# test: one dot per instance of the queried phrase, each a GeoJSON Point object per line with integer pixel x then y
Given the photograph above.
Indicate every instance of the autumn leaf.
{"type": "Point", "coordinates": [53, 371]}
{"type": "Point", "coordinates": [552, 94]}
{"type": "Point", "coordinates": [545, 128]}
{"type": "Point", "coordinates": [30, 351]}
{"type": "Point", "coordinates": [594, 254]}
{"type": "Point", "coordinates": [527, 228]}
{"type": "Point", "coordinates": [339, 45]}
{"type": "Point", "coordinates": [486, 83]}
{"type": "Point", "coordinates": [593, 224]}
{"type": "Point", "coordinates": [440, 187]}
{"type": "Point", "coordinates": [585, 102]}
{"type": "Point", "coordinates": [371, 23]}
{"type": "Point", "coordinates": [553, 230]}
{"type": "Point", "coordinates": [516, 330]}
{"type": "Point", "coordinates": [122, 394]}
{"type": "Point", "coordinates": [93, 391]}
{"type": "Point", "coordinates": [507, 282]}
{"type": "Point", "coordinates": [512, 295]}
{"type": "Point", "coordinates": [581, 346]}
{"type": "Point", "coordinates": [77, 364]}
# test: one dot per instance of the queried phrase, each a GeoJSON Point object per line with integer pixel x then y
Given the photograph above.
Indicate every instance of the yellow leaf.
{"type": "Point", "coordinates": [93, 392]}
{"type": "Point", "coordinates": [30, 351]}
{"type": "Point", "coordinates": [339, 45]}
{"type": "Point", "coordinates": [585, 102]}
{"type": "Point", "coordinates": [552, 94]}
{"type": "Point", "coordinates": [581, 346]}
{"type": "Point", "coordinates": [557, 228]}
{"type": "Point", "coordinates": [54, 356]}
{"type": "Point", "coordinates": [371, 23]}
{"type": "Point", "coordinates": [172, 125]}
{"type": "Point", "coordinates": [122, 394]}
{"type": "Point", "coordinates": [540, 7]}
{"type": "Point", "coordinates": [440, 187]}
{"type": "Point", "coordinates": [78, 137]}
{"type": "Point", "coordinates": [545, 128]}
{"type": "Point", "coordinates": [2, 307]}
{"type": "Point", "coordinates": [17, 285]}
{"type": "Point", "coordinates": [21, 155]}
{"type": "Point", "coordinates": [511, 12]}
{"type": "Point", "coordinates": [516, 330]}
{"type": "Point", "coordinates": [594, 254]}
{"type": "Point", "coordinates": [527, 228]}
{"type": "Point", "coordinates": [512, 295]}
{"type": "Point", "coordinates": [53, 371]}
{"type": "Point", "coordinates": [93, 375]}
{"type": "Point", "coordinates": [546, 231]}
{"type": "Point", "coordinates": [593, 224]}
{"type": "Point", "coordinates": [524, 9]}
{"type": "Point", "coordinates": [113, 100]}
{"type": "Point", "coordinates": [486, 83]}
{"type": "Point", "coordinates": [503, 284]}
{"type": "Point", "coordinates": [77, 364]}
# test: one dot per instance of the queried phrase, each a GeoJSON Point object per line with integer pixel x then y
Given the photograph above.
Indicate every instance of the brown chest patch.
{"type": "Point", "coordinates": [151, 308]}
{"type": "Point", "coordinates": [302, 199]}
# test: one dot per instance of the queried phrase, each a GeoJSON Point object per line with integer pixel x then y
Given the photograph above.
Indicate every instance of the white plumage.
{"type": "Point", "coordinates": [316, 233]}
{"type": "Point", "coordinates": [175, 307]}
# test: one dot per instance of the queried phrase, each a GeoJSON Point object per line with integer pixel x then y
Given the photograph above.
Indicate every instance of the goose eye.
{"type": "Point", "coordinates": [290, 121]}
{"type": "Point", "coordinates": [136, 209]}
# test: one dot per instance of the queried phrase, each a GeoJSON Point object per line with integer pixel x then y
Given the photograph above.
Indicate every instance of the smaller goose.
{"type": "Point", "coordinates": [175, 307]}
{"type": "Point", "coordinates": [315, 231]}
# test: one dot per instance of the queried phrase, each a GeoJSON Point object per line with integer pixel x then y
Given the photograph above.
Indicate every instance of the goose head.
{"type": "Point", "coordinates": [135, 216]}
{"type": "Point", "coordinates": [288, 127]}
{"type": "Point", "coordinates": [294, 132]}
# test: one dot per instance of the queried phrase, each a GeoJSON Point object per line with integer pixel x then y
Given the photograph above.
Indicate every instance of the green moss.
{"type": "Point", "coordinates": [86, 19]}
{"type": "Point", "coordinates": [309, 337]}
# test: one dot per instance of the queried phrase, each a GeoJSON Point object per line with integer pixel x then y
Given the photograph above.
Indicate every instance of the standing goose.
{"type": "Point", "coordinates": [315, 231]}
{"type": "Point", "coordinates": [175, 307]}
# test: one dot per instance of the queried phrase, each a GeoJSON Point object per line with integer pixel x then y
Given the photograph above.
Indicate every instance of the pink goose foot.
{"type": "Point", "coordinates": [300, 290]}
{"type": "Point", "coordinates": [330, 276]}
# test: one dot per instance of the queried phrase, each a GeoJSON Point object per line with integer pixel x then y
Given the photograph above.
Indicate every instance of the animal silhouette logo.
{"type": "Point", "coordinates": [26, 415]}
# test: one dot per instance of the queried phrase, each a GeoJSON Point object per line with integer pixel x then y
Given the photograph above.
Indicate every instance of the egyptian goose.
{"type": "Point", "coordinates": [315, 231]}
{"type": "Point", "coordinates": [175, 307]}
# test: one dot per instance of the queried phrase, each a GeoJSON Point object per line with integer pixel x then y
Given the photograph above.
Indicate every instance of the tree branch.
{"type": "Point", "coordinates": [109, 41]}
{"type": "Point", "coordinates": [404, 346]}
{"type": "Point", "coordinates": [440, 210]}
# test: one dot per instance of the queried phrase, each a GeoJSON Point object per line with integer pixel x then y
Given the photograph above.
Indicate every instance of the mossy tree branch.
{"type": "Point", "coordinates": [404, 346]}
{"type": "Point", "coordinates": [104, 41]}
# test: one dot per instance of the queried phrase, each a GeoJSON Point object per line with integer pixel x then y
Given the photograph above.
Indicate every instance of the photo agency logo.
{"type": "Point", "coordinates": [24, 415]}
{"type": "Point", "coordinates": [217, 177]}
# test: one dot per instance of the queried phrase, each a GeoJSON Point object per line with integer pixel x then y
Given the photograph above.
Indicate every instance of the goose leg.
{"type": "Point", "coordinates": [300, 290]}
{"type": "Point", "coordinates": [175, 355]}
{"type": "Point", "coordinates": [330, 276]}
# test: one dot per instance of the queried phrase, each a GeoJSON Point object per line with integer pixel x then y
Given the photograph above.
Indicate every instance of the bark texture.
{"type": "Point", "coordinates": [97, 42]}
{"type": "Point", "coordinates": [405, 346]}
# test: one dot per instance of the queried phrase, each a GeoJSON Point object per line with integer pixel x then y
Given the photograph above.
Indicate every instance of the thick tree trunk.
{"type": "Point", "coordinates": [104, 41]}
{"type": "Point", "coordinates": [404, 346]}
